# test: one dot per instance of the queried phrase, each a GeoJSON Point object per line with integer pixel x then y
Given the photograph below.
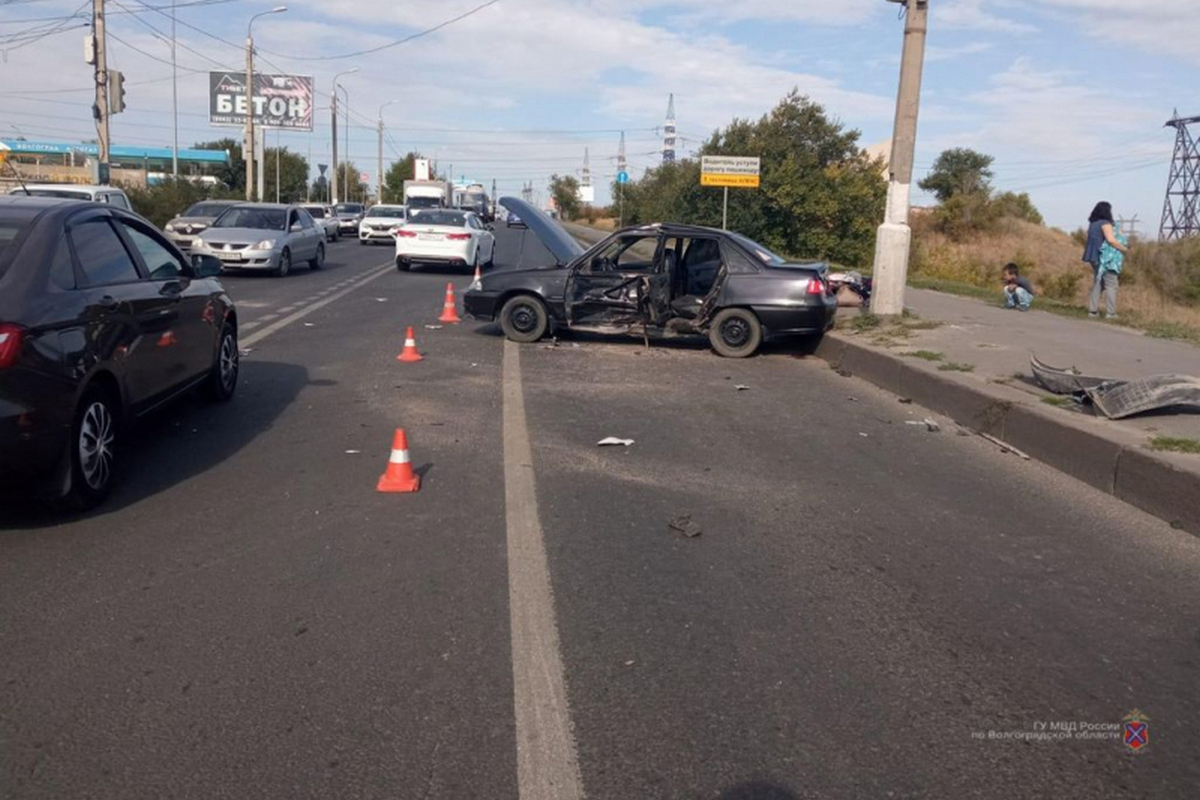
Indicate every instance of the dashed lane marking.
{"type": "Point", "coordinates": [303, 312]}
{"type": "Point", "coordinates": [547, 759]}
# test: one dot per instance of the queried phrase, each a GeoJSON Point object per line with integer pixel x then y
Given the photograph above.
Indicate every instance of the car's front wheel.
{"type": "Point", "coordinates": [524, 318]}
{"type": "Point", "coordinates": [222, 378]}
{"type": "Point", "coordinates": [285, 263]}
{"type": "Point", "coordinates": [93, 453]}
{"type": "Point", "coordinates": [319, 259]}
{"type": "Point", "coordinates": [735, 333]}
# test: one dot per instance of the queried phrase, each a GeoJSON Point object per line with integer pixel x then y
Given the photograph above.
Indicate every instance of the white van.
{"type": "Point", "coordinates": [72, 191]}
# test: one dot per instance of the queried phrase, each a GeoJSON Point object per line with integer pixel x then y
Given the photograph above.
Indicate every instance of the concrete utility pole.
{"type": "Point", "coordinates": [174, 100]}
{"type": "Point", "coordinates": [894, 239]}
{"type": "Point", "coordinates": [100, 109]}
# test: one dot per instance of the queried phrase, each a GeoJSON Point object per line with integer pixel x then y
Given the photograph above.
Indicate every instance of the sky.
{"type": "Point", "coordinates": [1069, 96]}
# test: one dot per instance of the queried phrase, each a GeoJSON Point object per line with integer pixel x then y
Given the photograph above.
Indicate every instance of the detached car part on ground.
{"type": "Point", "coordinates": [660, 280]}
{"type": "Point", "coordinates": [1117, 399]}
{"type": "Point", "coordinates": [102, 321]}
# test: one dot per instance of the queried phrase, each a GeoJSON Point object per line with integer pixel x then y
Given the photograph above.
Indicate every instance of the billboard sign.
{"type": "Point", "coordinates": [587, 194]}
{"type": "Point", "coordinates": [739, 172]}
{"type": "Point", "coordinates": [280, 101]}
{"type": "Point", "coordinates": [420, 169]}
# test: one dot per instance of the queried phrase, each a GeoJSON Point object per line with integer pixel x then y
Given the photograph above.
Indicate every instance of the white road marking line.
{"type": "Point", "coordinates": [304, 312]}
{"type": "Point", "coordinates": [547, 759]}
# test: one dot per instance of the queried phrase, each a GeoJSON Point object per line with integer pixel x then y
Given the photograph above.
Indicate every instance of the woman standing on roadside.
{"type": "Point", "coordinates": [1106, 262]}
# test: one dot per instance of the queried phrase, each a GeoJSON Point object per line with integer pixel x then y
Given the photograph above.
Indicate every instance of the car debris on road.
{"type": "Point", "coordinates": [1117, 399]}
{"type": "Point", "coordinates": [685, 525]}
{"type": "Point", "coordinates": [612, 441]}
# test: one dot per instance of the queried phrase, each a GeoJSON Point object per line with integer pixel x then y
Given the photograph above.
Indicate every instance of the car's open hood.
{"type": "Point", "coordinates": [553, 236]}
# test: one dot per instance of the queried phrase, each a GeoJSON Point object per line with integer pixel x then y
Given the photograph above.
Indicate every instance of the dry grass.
{"type": "Point", "coordinates": [1153, 296]}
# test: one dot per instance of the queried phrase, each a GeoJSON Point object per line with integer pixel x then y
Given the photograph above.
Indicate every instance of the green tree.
{"type": "Point", "coordinates": [293, 175]}
{"type": "Point", "coordinates": [233, 174]}
{"type": "Point", "coordinates": [565, 191]}
{"type": "Point", "coordinates": [960, 171]}
{"type": "Point", "coordinates": [350, 188]}
{"type": "Point", "coordinates": [399, 172]}
{"type": "Point", "coordinates": [1017, 206]}
{"type": "Point", "coordinates": [820, 194]}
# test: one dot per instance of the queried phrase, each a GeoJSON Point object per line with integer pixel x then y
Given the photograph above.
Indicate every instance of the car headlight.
{"type": "Point", "coordinates": [168, 227]}
{"type": "Point", "coordinates": [199, 243]}
{"type": "Point", "coordinates": [265, 244]}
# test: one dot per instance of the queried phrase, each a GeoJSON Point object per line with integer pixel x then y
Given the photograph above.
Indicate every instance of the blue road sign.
{"type": "Point", "coordinates": [622, 177]}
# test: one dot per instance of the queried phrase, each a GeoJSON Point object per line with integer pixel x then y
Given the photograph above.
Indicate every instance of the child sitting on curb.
{"type": "Point", "coordinates": [1018, 291]}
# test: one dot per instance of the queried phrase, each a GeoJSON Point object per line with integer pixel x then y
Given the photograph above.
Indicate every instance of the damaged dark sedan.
{"type": "Point", "coordinates": [662, 280]}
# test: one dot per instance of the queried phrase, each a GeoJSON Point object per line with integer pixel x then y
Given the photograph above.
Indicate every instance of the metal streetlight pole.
{"type": "Point", "coordinates": [333, 197]}
{"type": "Point", "coordinates": [248, 148]}
{"type": "Point", "coordinates": [349, 191]}
{"type": "Point", "coordinates": [379, 163]}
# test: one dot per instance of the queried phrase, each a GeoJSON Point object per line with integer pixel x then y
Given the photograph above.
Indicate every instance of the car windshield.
{"type": "Point", "coordinates": [348, 208]}
{"type": "Point", "coordinates": [68, 194]}
{"type": "Point", "coordinates": [206, 210]}
{"type": "Point", "coordinates": [763, 254]}
{"type": "Point", "coordinates": [267, 219]}
{"type": "Point", "coordinates": [437, 216]}
{"type": "Point", "coordinates": [387, 211]}
{"type": "Point", "coordinates": [423, 202]}
{"type": "Point", "coordinates": [316, 212]}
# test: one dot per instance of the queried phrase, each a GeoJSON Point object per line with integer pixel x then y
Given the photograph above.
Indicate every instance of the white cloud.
{"type": "Point", "coordinates": [1157, 26]}
{"type": "Point", "coordinates": [975, 15]}
{"type": "Point", "coordinates": [935, 53]}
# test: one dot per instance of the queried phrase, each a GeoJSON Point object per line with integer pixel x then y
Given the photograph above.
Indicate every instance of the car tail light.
{"type": "Point", "coordinates": [10, 344]}
{"type": "Point", "coordinates": [816, 286]}
{"type": "Point", "coordinates": [458, 237]}
{"type": "Point", "coordinates": [406, 234]}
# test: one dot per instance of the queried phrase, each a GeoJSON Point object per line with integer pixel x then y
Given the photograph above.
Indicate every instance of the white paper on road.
{"type": "Point", "coordinates": [612, 440]}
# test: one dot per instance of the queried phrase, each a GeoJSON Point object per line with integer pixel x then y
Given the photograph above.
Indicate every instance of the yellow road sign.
{"type": "Point", "coordinates": [734, 181]}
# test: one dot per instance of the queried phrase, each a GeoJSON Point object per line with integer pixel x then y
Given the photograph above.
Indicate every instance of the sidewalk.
{"type": "Point", "coordinates": [991, 389]}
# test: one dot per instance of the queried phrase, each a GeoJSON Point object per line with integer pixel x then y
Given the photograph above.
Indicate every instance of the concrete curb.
{"type": "Point", "coordinates": [1124, 469]}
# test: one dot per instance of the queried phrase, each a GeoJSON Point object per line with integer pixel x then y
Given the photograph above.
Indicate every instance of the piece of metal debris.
{"type": "Point", "coordinates": [1008, 448]}
{"type": "Point", "coordinates": [614, 441]}
{"type": "Point", "coordinates": [930, 425]}
{"type": "Point", "coordinates": [353, 452]}
{"type": "Point", "coordinates": [434, 327]}
{"type": "Point", "coordinates": [1117, 399]}
{"type": "Point", "coordinates": [685, 525]}
{"type": "Point", "coordinates": [309, 324]}
{"type": "Point", "coordinates": [741, 387]}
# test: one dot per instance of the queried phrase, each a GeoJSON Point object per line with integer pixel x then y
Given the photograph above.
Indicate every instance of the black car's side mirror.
{"type": "Point", "coordinates": [206, 266]}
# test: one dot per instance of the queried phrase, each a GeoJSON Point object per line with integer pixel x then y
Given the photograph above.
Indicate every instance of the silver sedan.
{"type": "Point", "coordinates": [263, 236]}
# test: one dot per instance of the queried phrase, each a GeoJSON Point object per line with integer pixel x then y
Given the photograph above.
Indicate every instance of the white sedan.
{"type": "Point", "coordinates": [443, 236]}
{"type": "Point", "coordinates": [379, 224]}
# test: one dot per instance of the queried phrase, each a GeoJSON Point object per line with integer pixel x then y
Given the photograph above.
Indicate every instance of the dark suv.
{"type": "Point", "coordinates": [101, 321]}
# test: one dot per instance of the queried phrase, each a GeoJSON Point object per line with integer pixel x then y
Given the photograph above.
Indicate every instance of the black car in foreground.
{"type": "Point", "coordinates": [101, 321]}
{"type": "Point", "coordinates": [658, 280]}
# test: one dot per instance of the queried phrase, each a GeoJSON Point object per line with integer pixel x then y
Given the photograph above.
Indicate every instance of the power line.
{"type": "Point", "coordinates": [389, 45]}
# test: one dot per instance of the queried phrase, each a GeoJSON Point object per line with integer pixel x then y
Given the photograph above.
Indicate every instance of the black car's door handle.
{"type": "Point", "coordinates": [109, 303]}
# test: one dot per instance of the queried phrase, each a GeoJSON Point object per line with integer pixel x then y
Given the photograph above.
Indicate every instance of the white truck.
{"type": "Point", "coordinates": [426, 194]}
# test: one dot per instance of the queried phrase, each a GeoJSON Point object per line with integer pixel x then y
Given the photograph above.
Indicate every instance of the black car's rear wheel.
{"type": "Point", "coordinates": [524, 319]}
{"type": "Point", "coordinates": [735, 333]}
{"type": "Point", "coordinates": [222, 379]}
{"type": "Point", "coordinates": [93, 454]}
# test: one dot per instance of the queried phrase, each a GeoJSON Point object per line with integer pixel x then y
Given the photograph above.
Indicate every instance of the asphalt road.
{"type": "Point", "coordinates": [867, 600]}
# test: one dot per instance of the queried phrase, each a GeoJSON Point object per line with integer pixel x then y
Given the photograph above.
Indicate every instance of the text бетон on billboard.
{"type": "Point", "coordinates": [280, 101]}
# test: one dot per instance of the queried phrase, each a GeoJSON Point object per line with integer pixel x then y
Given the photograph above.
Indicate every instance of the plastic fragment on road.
{"type": "Point", "coordinates": [434, 327]}
{"type": "Point", "coordinates": [245, 351]}
{"type": "Point", "coordinates": [380, 299]}
{"type": "Point", "coordinates": [930, 425]}
{"type": "Point", "coordinates": [353, 452]}
{"type": "Point", "coordinates": [309, 324]}
{"type": "Point", "coordinates": [613, 441]}
{"type": "Point", "coordinates": [741, 387]}
{"type": "Point", "coordinates": [685, 525]}
{"type": "Point", "coordinates": [865, 436]}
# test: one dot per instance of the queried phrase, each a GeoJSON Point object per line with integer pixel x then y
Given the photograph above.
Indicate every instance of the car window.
{"type": "Point", "coordinates": [437, 216]}
{"type": "Point", "coordinates": [316, 213]}
{"type": "Point", "coordinates": [62, 269]}
{"type": "Point", "coordinates": [738, 262]}
{"type": "Point", "coordinates": [118, 201]}
{"type": "Point", "coordinates": [205, 210]}
{"type": "Point", "coordinates": [101, 254]}
{"type": "Point", "coordinates": [267, 219]}
{"type": "Point", "coordinates": [8, 234]}
{"type": "Point", "coordinates": [160, 262]}
{"type": "Point", "coordinates": [633, 253]}
{"type": "Point", "coordinates": [760, 252]}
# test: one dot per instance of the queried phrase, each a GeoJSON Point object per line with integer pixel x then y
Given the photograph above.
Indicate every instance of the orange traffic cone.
{"type": "Point", "coordinates": [449, 314]}
{"type": "Point", "coordinates": [399, 476]}
{"type": "Point", "coordinates": [409, 353]}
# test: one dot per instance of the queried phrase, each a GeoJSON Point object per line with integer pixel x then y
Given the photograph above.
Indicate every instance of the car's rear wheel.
{"type": "Point", "coordinates": [403, 265]}
{"type": "Point", "coordinates": [93, 453]}
{"type": "Point", "coordinates": [222, 379]}
{"type": "Point", "coordinates": [524, 318]}
{"type": "Point", "coordinates": [319, 258]}
{"type": "Point", "coordinates": [735, 333]}
{"type": "Point", "coordinates": [285, 263]}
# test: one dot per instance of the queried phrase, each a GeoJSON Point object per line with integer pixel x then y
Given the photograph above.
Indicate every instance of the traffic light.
{"type": "Point", "coordinates": [116, 92]}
